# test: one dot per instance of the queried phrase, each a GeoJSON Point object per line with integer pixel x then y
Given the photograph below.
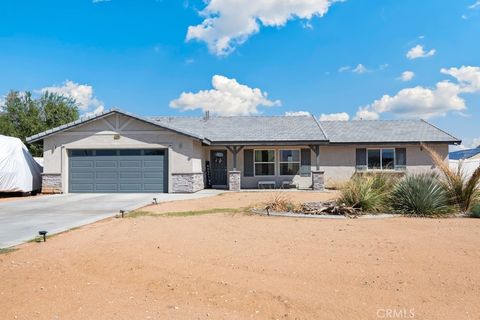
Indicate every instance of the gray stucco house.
{"type": "Point", "coordinates": [117, 151]}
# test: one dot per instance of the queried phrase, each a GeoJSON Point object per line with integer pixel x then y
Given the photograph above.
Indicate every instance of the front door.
{"type": "Point", "coordinates": [218, 159]}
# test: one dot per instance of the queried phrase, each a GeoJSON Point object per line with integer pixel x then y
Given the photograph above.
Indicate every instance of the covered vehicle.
{"type": "Point", "coordinates": [19, 172]}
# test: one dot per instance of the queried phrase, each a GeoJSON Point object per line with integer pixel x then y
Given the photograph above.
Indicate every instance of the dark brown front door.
{"type": "Point", "coordinates": [218, 160]}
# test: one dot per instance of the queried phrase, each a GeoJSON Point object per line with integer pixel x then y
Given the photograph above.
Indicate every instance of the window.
{"type": "Point", "coordinates": [264, 162]}
{"type": "Point", "coordinates": [154, 152]}
{"type": "Point", "coordinates": [130, 152]}
{"type": "Point", "coordinates": [289, 162]}
{"type": "Point", "coordinates": [381, 159]}
{"type": "Point", "coordinates": [102, 153]}
{"type": "Point", "coordinates": [81, 153]}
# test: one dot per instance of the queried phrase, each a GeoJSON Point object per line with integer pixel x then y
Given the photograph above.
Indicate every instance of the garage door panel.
{"type": "Point", "coordinates": [131, 175]}
{"type": "Point", "coordinates": [107, 175]}
{"type": "Point", "coordinates": [153, 164]}
{"type": "Point", "coordinates": [105, 164]}
{"type": "Point", "coordinates": [83, 175]}
{"type": "Point", "coordinates": [153, 175]}
{"type": "Point", "coordinates": [82, 163]}
{"type": "Point", "coordinates": [106, 187]}
{"type": "Point", "coordinates": [82, 187]}
{"type": "Point", "coordinates": [153, 186]}
{"type": "Point", "coordinates": [105, 171]}
{"type": "Point", "coordinates": [131, 187]}
{"type": "Point", "coordinates": [130, 164]}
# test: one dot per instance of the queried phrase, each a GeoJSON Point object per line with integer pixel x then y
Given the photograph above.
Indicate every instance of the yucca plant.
{"type": "Point", "coordinates": [463, 191]}
{"type": "Point", "coordinates": [420, 195]}
{"type": "Point", "coordinates": [475, 212]}
{"type": "Point", "coordinates": [366, 192]}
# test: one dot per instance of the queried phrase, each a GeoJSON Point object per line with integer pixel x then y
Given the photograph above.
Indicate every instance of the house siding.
{"type": "Point", "coordinates": [184, 152]}
{"type": "Point", "coordinates": [338, 161]}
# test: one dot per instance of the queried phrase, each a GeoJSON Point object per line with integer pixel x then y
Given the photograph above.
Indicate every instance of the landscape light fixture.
{"type": "Point", "coordinates": [44, 235]}
{"type": "Point", "coordinates": [155, 201]}
{"type": "Point", "coordinates": [122, 212]}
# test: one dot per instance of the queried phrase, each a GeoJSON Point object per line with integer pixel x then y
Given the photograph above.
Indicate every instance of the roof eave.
{"type": "Point", "coordinates": [270, 143]}
{"type": "Point", "coordinates": [453, 142]}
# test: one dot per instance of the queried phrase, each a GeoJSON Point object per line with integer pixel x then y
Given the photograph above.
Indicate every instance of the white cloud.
{"type": "Point", "coordinates": [364, 113]}
{"type": "Point", "coordinates": [228, 98]}
{"type": "Point", "coordinates": [406, 76]}
{"type": "Point", "coordinates": [475, 5]}
{"type": "Point", "coordinates": [467, 76]}
{"type": "Point", "coordinates": [360, 69]}
{"type": "Point", "coordinates": [344, 68]}
{"type": "Point", "coordinates": [419, 52]}
{"type": "Point", "coordinates": [229, 23]}
{"type": "Point", "coordinates": [82, 93]}
{"type": "Point", "coordinates": [297, 113]}
{"type": "Point", "coordinates": [428, 102]}
{"type": "Point", "coordinates": [99, 1]}
{"type": "Point", "coordinates": [341, 116]}
{"type": "Point", "coordinates": [98, 110]}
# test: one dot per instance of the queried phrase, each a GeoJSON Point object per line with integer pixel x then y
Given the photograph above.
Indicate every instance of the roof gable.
{"type": "Point", "coordinates": [85, 120]}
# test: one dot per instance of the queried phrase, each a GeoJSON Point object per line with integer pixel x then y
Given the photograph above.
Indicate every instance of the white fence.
{"type": "Point", "coordinates": [469, 166]}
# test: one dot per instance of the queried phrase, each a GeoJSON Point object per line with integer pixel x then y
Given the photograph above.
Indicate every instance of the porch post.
{"type": "Point", "coordinates": [316, 150]}
{"type": "Point", "coordinates": [234, 176]}
{"type": "Point", "coordinates": [318, 177]}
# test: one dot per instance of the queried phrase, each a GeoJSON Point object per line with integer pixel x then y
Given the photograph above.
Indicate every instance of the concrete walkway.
{"type": "Point", "coordinates": [20, 220]}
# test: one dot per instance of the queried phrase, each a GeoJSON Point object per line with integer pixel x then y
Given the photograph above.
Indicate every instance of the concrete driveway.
{"type": "Point", "coordinates": [21, 220]}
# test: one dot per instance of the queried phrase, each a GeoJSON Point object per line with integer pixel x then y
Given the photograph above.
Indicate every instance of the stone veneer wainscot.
{"type": "Point", "coordinates": [187, 182]}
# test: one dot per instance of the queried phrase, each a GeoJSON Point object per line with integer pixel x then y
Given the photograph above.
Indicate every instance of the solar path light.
{"type": "Point", "coordinates": [44, 235]}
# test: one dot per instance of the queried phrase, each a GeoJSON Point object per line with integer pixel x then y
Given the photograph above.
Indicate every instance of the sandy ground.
{"type": "Point", "coordinates": [240, 200]}
{"type": "Point", "coordinates": [236, 266]}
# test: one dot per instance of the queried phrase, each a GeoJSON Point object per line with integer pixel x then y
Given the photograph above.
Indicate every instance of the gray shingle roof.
{"type": "Point", "coordinates": [378, 131]}
{"type": "Point", "coordinates": [284, 129]}
{"type": "Point", "coordinates": [250, 128]}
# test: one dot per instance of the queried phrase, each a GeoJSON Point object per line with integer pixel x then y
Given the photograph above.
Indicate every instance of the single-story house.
{"type": "Point", "coordinates": [117, 151]}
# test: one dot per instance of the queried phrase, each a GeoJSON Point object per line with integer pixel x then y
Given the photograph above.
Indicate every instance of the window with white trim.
{"type": "Point", "coordinates": [264, 162]}
{"type": "Point", "coordinates": [381, 159]}
{"type": "Point", "coordinates": [289, 162]}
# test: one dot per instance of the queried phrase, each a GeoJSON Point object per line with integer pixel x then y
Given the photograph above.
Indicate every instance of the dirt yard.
{"type": "Point", "coordinates": [237, 266]}
{"type": "Point", "coordinates": [231, 200]}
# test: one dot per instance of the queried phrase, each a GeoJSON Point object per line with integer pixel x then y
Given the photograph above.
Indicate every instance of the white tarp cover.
{"type": "Point", "coordinates": [19, 172]}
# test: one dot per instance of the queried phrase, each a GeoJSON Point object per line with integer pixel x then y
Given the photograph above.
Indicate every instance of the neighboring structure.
{"type": "Point", "coordinates": [466, 154]}
{"type": "Point", "coordinates": [19, 172]}
{"type": "Point", "coordinates": [120, 152]}
{"type": "Point", "coordinates": [468, 159]}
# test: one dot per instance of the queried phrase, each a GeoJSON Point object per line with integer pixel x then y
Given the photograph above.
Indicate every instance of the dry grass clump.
{"type": "Point", "coordinates": [367, 192]}
{"type": "Point", "coordinates": [463, 191]}
{"type": "Point", "coordinates": [280, 202]}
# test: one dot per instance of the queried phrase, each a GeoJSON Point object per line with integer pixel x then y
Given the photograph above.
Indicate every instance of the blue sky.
{"type": "Point", "coordinates": [315, 56]}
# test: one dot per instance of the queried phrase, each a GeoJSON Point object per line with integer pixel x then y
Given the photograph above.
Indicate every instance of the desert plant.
{"type": "Point", "coordinates": [366, 192]}
{"type": "Point", "coordinates": [463, 191]}
{"type": "Point", "coordinates": [420, 195]}
{"type": "Point", "coordinates": [280, 202]}
{"type": "Point", "coordinates": [475, 211]}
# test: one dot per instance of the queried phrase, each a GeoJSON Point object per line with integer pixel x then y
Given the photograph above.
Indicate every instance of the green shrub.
{"type": "Point", "coordinates": [367, 192]}
{"type": "Point", "coordinates": [420, 195]}
{"type": "Point", "coordinates": [475, 212]}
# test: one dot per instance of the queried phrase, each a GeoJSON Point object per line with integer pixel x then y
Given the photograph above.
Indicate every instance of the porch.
{"type": "Point", "coordinates": [238, 167]}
